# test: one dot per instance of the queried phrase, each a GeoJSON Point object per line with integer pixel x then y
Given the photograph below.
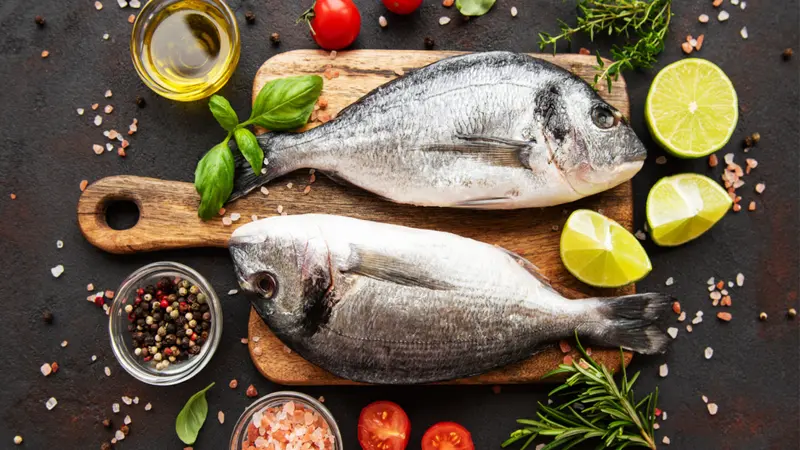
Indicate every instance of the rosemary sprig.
{"type": "Point", "coordinates": [593, 408]}
{"type": "Point", "coordinates": [643, 23]}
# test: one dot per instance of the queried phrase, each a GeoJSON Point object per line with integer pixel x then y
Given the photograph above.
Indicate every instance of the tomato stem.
{"type": "Point", "coordinates": [307, 16]}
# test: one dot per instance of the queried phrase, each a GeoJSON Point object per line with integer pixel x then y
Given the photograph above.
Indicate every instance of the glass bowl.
{"type": "Point", "coordinates": [121, 341]}
{"type": "Point", "coordinates": [278, 399]}
{"type": "Point", "coordinates": [192, 89]}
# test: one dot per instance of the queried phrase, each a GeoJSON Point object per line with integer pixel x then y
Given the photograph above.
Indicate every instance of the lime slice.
{"type": "Point", "coordinates": [600, 252]}
{"type": "Point", "coordinates": [692, 108]}
{"type": "Point", "coordinates": [682, 207]}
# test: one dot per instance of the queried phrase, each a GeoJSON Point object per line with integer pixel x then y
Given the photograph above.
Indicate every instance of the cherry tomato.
{"type": "Point", "coordinates": [383, 426]}
{"type": "Point", "coordinates": [402, 6]}
{"type": "Point", "coordinates": [447, 436]}
{"type": "Point", "coordinates": [335, 24]}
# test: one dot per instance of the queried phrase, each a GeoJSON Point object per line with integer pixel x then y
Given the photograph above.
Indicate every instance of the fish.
{"type": "Point", "coordinates": [386, 304]}
{"type": "Point", "coordinates": [494, 130]}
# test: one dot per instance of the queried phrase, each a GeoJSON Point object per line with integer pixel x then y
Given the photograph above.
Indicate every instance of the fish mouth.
{"type": "Point", "coordinates": [586, 180]}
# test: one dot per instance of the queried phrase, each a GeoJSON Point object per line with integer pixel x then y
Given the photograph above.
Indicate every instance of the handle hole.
{"type": "Point", "coordinates": [122, 214]}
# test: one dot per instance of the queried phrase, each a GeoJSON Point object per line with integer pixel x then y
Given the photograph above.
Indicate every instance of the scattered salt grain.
{"type": "Point", "coordinates": [46, 369]}
{"type": "Point", "coordinates": [663, 370]}
{"type": "Point", "coordinates": [734, 2]}
{"type": "Point", "coordinates": [64, 344]}
{"type": "Point", "coordinates": [743, 5]}
{"type": "Point", "coordinates": [127, 400]}
{"type": "Point", "coordinates": [289, 185]}
{"type": "Point", "coordinates": [640, 235]}
{"type": "Point", "coordinates": [227, 221]}
{"type": "Point", "coordinates": [254, 217]}
{"type": "Point", "coordinates": [723, 16]}
{"type": "Point", "coordinates": [108, 93]}
{"type": "Point", "coordinates": [98, 6]}
{"type": "Point", "coordinates": [264, 190]}
{"type": "Point", "coordinates": [94, 358]}
{"type": "Point", "coordinates": [264, 169]}
{"type": "Point", "coordinates": [257, 351]}
{"type": "Point", "coordinates": [670, 281]}
{"type": "Point", "coordinates": [715, 295]}
{"type": "Point", "coordinates": [108, 109]}
{"type": "Point", "coordinates": [119, 435]}
{"type": "Point", "coordinates": [80, 111]}
{"type": "Point", "coordinates": [107, 371]}
{"type": "Point", "coordinates": [399, 72]}
{"type": "Point", "coordinates": [665, 440]}
{"type": "Point", "coordinates": [115, 408]}
{"type": "Point", "coordinates": [514, 11]}
{"type": "Point", "coordinates": [682, 317]}
{"type": "Point", "coordinates": [59, 244]}
{"type": "Point", "coordinates": [106, 36]}
{"type": "Point", "coordinates": [705, 399]}
{"type": "Point", "coordinates": [233, 292]}
{"type": "Point", "coordinates": [444, 20]}
{"type": "Point", "coordinates": [697, 320]}
{"type": "Point", "coordinates": [131, 18]}
{"type": "Point", "coordinates": [57, 270]}
{"type": "Point", "coordinates": [710, 281]}
{"type": "Point", "coordinates": [729, 158]}
{"type": "Point", "coordinates": [135, 400]}
{"type": "Point", "coordinates": [730, 283]}
{"type": "Point", "coordinates": [221, 417]}
{"type": "Point", "coordinates": [279, 209]}
{"type": "Point", "coordinates": [673, 332]}
{"type": "Point", "coordinates": [661, 160]}
{"type": "Point", "coordinates": [148, 407]}
{"type": "Point", "coordinates": [383, 22]}
{"type": "Point", "coordinates": [235, 216]}
{"type": "Point", "coordinates": [51, 403]}
{"type": "Point", "coordinates": [122, 3]}
{"type": "Point", "coordinates": [136, 4]}
{"type": "Point", "coordinates": [663, 416]}
{"type": "Point", "coordinates": [740, 280]}
{"type": "Point", "coordinates": [95, 106]}
{"type": "Point", "coordinates": [98, 120]}
{"type": "Point", "coordinates": [109, 147]}
{"type": "Point", "coordinates": [712, 408]}
{"type": "Point", "coordinates": [743, 33]}
{"type": "Point", "coordinates": [244, 341]}
{"type": "Point", "coordinates": [689, 328]}
{"type": "Point", "coordinates": [709, 352]}
{"type": "Point", "coordinates": [760, 188]}
{"type": "Point", "coordinates": [127, 420]}
{"type": "Point", "coordinates": [256, 338]}
{"type": "Point", "coordinates": [703, 18]}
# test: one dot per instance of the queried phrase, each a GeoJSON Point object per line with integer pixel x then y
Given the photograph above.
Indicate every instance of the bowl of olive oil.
{"type": "Point", "coordinates": [185, 50]}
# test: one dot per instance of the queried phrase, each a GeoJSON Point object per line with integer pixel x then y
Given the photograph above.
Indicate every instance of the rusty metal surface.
{"type": "Point", "coordinates": [46, 152]}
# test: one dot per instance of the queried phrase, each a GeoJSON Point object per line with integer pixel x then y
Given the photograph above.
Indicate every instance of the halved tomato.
{"type": "Point", "coordinates": [383, 426]}
{"type": "Point", "coordinates": [447, 436]}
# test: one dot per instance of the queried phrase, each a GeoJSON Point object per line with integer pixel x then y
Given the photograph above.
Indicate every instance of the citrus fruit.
{"type": "Point", "coordinates": [682, 207]}
{"type": "Point", "coordinates": [692, 108]}
{"type": "Point", "coordinates": [600, 252]}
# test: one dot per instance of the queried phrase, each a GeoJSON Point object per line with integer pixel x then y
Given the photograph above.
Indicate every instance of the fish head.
{"type": "Point", "coordinates": [595, 147]}
{"type": "Point", "coordinates": [283, 267]}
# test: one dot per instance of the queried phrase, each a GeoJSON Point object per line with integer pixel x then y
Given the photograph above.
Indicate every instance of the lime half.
{"type": "Point", "coordinates": [600, 252]}
{"type": "Point", "coordinates": [692, 108]}
{"type": "Point", "coordinates": [682, 207]}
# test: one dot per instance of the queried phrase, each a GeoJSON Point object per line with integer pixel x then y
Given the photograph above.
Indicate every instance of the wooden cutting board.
{"type": "Point", "coordinates": [168, 217]}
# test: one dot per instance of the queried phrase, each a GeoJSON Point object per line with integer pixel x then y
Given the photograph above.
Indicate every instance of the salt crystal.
{"type": "Point", "coordinates": [729, 158]}
{"type": "Point", "coordinates": [227, 221]}
{"type": "Point", "coordinates": [80, 111]}
{"type": "Point", "coordinates": [724, 292]}
{"type": "Point", "coordinates": [64, 344]}
{"type": "Point", "coordinates": [444, 20]}
{"type": "Point", "coordinates": [656, 426]}
{"type": "Point", "coordinates": [383, 22]}
{"type": "Point", "coordinates": [661, 160]}
{"type": "Point", "coordinates": [127, 420]}
{"type": "Point", "coordinates": [254, 217]}
{"type": "Point", "coordinates": [710, 280]}
{"type": "Point", "coordinates": [97, 149]}
{"type": "Point", "coordinates": [743, 5]}
{"type": "Point", "coordinates": [663, 370]}
{"type": "Point", "coordinates": [279, 209]}
{"type": "Point", "coordinates": [106, 36]}
{"type": "Point", "coordinates": [289, 185]}
{"type": "Point", "coordinates": [711, 288]}
{"type": "Point", "coordinates": [148, 407]}
{"type": "Point", "coordinates": [663, 415]}
{"type": "Point", "coordinates": [122, 3]}
{"type": "Point", "coordinates": [108, 109]}
{"type": "Point", "coordinates": [46, 369]}
{"type": "Point", "coordinates": [730, 283]}
{"type": "Point", "coordinates": [640, 235]}
{"type": "Point", "coordinates": [670, 281]}
{"type": "Point", "coordinates": [119, 435]}
{"type": "Point", "coordinates": [233, 292]}
{"type": "Point", "coordinates": [98, 120]}
{"type": "Point", "coordinates": [109, 147]}
{"type": "Point", "coordinates": [689, 328]}
{"type": "Point", "coordinates": [113, 441]}
{"type": "Point", "coordinates": [107, 93]}
{"type": "Point", "coordinates": [115, 408]}
{"type": "Point", "coordinates": [94, 358]}
{"type": "Point", "coordinates": [257, 351]}
{"type": "Point", "coordinates": [514, 11]}
{"type": "Point", "coordinates": [712, 408]}
{"type": "Point", "coordinates": [264, 169]}
{"type": "Point", "coordinates": [697, 320]}
{"type": "Point", "coordinates": [127, 400]}
{"type": "Point", "coordinates": [135, 4]}
{"type": "Point", "coordinates": [673, 332]}
{"type": "Point", "coordinates": [709, 352]}
{"type": "Point", "coordinates": [760, 187]}
{"type": "Point", "coordinates": [740, 280]}
{"type": "Point", "coordinates": [256, 338]}
{"type": "Point", "coordinates": [665, 440]}
{"type": "Point", "coordinates": [715, 295]}
{"type": "Point", "coordinates": [743, 33]}
{"type": "Point", "coordinates": [235, 216]}
{"type": "Point", "coordinates": [703, 18]}
{"type": "Point", "coordinates": [107, 371]}
{"type": "Point", "coordinates": [734, 2]}
{"type": "Point", "coordinates": [135, 400]}
{"type": "Point", "coordinates": [98, 6]}
{"type": "Point", "coordinates": [57, 270]}
{"type": "Point", "coordinates": [723, 16]}
{"type": "Point", "coordinates": [221, 417]}
{"type": "Point", "coordinates": [51, 403]}
{"type": "Point", "coordinates": [59, 244]}
{"type": "Point", "coordinates": [264, 190]}
{"type": "Point", "coordinates": [705, 399]}
{"type": "Point", "coordinates": [682, 317]}
{"type": "Point", "coordinates": [244, 341]}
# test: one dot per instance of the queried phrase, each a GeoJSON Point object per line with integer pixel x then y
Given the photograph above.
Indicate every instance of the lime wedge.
{"type": "Point", "coordinates": [692, 108]}
{"type": "Point", "coordinates": [682, 207]}
{"type": "Point", "coordinates": [600, 252]}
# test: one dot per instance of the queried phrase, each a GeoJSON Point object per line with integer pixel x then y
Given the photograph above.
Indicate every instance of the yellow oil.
{"type": "Point", "coordinates": [189, 50]}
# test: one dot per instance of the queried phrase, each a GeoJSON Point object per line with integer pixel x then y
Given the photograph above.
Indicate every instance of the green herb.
{"type": "Point", "coordinates": [643, 23]}
{"type": "Point", "coordinates": [281, 105]}
{"type": "Point", "coordinates": [191, 418]}
{"type": "Point", "coordinates": [593, 408]}
{"type": "Point", "coordinates": [474, 7]}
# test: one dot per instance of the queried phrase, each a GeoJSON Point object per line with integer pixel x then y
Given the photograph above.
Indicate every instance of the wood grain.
{"type": "Point", "coordinates": [168, 210]}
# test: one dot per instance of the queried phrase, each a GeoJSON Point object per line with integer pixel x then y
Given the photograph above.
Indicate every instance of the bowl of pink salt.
{"type": "Point", "coordinates": [286, 420]}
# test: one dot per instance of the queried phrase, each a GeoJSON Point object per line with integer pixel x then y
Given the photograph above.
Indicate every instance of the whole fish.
{"type": "Point", "coordinates": [493, 130]}
{"type": "Point", "coordinates": [388, 304]}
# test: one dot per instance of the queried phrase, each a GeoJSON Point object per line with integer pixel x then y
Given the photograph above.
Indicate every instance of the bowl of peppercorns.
{"type": "Point", "coordinates": [165, 323]}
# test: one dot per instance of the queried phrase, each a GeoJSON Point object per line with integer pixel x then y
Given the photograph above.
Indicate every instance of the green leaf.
{"type": "Point", "coordinates": [286, 103]}
{"type": "Point", "coordinates": [191, 418]}
{"type": "Point", "coordinates": [213, 179]}
{"type": "Point", "coordinates": [248, 145]}
{"type": "Point", "coordinates": [474, 7]}
{"type": "Point", "coordinates": [222, 111]}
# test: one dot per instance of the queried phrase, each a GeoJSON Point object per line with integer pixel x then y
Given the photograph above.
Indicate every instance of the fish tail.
{"type": "Point", "coordinates": [245, 179]}
{"type": "Point", "coordinates": [631, 322]}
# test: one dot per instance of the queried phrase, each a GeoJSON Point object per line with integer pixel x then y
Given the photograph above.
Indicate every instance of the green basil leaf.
{"type": "Point", "coordinates": [222, 111]}
{"type": "Point", "coordinates": [248, 145]}
{"type": "Point", "coordinates": [213, 179]}
{"type": "Point", "coordinates": [191, 418]}
{"type": "Point", "coordinates": [286, 103]}
{"type": "Point", "coordinates": [474, 7]}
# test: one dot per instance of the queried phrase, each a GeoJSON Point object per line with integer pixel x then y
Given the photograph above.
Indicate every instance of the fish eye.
{"type": "Point", "coordinates": [604, 118]}
{"type": "Point", "coordinates": [266, 285]}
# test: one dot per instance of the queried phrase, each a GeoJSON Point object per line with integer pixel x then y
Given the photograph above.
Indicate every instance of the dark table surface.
{"type": "Point", "coordinates": [46, 152]}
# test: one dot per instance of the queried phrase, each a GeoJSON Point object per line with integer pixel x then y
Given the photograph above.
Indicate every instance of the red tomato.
{"type": "Point", "coordinates": [383, 426]}
{"type": "Point", "coordinates": [335, 24]}
{"type": "Point", "coordinates": [402, 6]}
{"type": "Point", "coordinates": [447, 436]}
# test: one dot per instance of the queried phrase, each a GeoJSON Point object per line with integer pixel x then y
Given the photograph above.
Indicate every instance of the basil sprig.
{"type": "Point", "coordinates": [281, 105]}
{"type": "Point", "coordinates": [193, 415]}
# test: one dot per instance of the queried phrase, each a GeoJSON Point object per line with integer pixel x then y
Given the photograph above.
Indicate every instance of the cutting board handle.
{"type": "Point", "coordinates": [167, 216]}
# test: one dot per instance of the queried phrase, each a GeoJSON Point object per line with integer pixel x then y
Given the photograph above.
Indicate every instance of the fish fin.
{"type": "Point", "coordinates": [379, 266]}
{"type": "Point", "coordinates": [511, 144]}
{"type": "Point", "coordinates": [530, 267]}
{"type": "Point", "coordinates": [632, 322]}
{"type": "Point", "coordinates": [481, 203]}
{"type": "Point", "coordinates": [495, 151]}
{"type": "Point", "coordinates": [245, 179]}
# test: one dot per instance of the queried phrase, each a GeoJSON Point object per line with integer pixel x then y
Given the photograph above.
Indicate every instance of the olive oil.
{"type": "Point", "coordinates": [189, 48]}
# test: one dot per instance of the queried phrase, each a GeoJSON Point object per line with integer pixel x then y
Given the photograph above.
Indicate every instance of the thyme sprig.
{"type": "Point", "coordinates": [593, 407]}
{"type": "Point", "coordinates": [643, 24]}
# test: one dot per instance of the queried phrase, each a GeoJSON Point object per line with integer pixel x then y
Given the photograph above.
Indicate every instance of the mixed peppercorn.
{"type": "Point", "coordinates": [170, 321]}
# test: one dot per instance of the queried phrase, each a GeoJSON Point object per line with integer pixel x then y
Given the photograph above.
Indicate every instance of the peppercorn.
{"type": "Point", "coordinates": [429, 43]}
{"type": "Point", "coordinates": [195, 307]}
{"type": "Point", "coordinates": [762, 316]}
{"type": "Point", "coordinates": [206, 316]}
{"type": "Point", "coordinates": [107, 423]}
{"type": "Point", "coordinates": [105, 446]}
{"type": "Point", "coordinates": [125, 429]}
{"type": "Point", "coordinates": [787, 54]}
{"type": "Point", "coordinates": [148, 297]}
{"type": "Point", "coordinates": [140, 102]}
{"type": "Point", "coordinates": [250, 17]}
{"type": "Point", "coordinates": [194, 290]}
{"type": "Point", "coordinates": [748, 142]}
{"type": "Point", "coordinates": [47, 316]}
{"type": "Point", "coordinates": [251, 391]}
{"type": "Point", "coordinates": [39, 21]}
{"type": "Point", "coordinates": [170, 339]}
{"type": "Point", "coordinates": [756, 137]}
{"type": "Point", "coordinates": [792, 313]}
{"type": "Point", "coordinates": [202, 298]}
{"type": "Point", "coordinates": [275, 38]}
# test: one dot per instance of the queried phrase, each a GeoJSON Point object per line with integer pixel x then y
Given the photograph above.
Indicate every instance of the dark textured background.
{"type": "Point", "coordinates": [46, 151]}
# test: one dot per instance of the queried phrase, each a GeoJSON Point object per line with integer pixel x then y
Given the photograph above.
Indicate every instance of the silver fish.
{"type": "Point", "coordinates": [493, 130]}
{"type": "Point", "coordinates": [382, 303]}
